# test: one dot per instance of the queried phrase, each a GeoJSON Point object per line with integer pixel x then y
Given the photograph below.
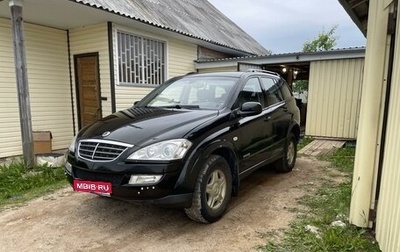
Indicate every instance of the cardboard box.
{"type": "Point", "coordinates": [42, 142]}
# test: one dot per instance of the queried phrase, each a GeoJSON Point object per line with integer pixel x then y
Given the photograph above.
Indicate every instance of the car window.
{"type": "Point", "coordinates": [271, 90]}
{"type": "Point", "coordinates": [200, 92]}
{"type": "Point", "coordinates": [251, 92]}
{"type": "Point", "coordinates": [287, 94]}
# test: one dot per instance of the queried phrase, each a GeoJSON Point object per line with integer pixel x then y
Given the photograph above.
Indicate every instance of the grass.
{"type": "Point", "coordinates": [19, 184]}
{"type": "Point", "coordinates": [313, 229]}
{"type": "Point", "coordinates": [303, 142]}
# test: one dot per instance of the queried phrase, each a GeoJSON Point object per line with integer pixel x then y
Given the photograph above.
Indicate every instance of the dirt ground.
{"type": "Point", "coordinates": [71, 221]}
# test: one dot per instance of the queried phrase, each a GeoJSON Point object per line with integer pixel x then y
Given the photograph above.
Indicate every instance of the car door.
{"type": "Point", "coordinates": [254, 132]}
{"type": "Point", "coordinates": [277, 116]}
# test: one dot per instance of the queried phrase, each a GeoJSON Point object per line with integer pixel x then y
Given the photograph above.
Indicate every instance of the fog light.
{"type": "Point", "coordinates": [68, 167]}
{"type": "Point", "coordinates": [144, 179]}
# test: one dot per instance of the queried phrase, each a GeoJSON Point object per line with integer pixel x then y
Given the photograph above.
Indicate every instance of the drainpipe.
{"type": "Point", "coordinates": [22, 81]}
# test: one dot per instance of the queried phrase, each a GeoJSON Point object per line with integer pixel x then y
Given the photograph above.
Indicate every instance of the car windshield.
{"type": "Point", "coordinates": [195, 92]}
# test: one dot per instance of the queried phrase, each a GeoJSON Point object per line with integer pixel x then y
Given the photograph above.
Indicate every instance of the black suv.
{"type": "Point", "coordinates": [189, 142]}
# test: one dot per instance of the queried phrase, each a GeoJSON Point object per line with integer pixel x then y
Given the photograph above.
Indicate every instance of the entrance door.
{"type": "Point", "coordinates": [88, 88]}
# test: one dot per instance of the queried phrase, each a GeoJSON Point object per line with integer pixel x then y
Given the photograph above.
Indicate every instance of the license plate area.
{"type": "Point", "coordinates": [99, 187]}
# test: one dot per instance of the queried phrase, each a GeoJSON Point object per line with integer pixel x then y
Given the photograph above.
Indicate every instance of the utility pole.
{"type": "Point", "coordinates": [22, 81]}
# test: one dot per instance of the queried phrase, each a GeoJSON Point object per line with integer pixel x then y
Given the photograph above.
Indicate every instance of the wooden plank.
{"type": "Point", "coordinates": [318, 147]}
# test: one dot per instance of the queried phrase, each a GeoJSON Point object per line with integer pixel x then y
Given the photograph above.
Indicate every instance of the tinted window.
{"type": "Point", "coordinates": [271, 89]}
{"type": "Point", "coordinates": [251, 93]}
{"type": "Point", "coordinates": [286, 91]}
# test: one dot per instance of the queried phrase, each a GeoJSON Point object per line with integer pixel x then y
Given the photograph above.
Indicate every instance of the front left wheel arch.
{"type": "Point", "coordinates": [191, 170]}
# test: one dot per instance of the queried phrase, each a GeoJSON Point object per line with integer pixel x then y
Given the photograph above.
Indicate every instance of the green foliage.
{"type": "Point", "coordinates": [323, 42]}
{"type": "Point", "coordinates": [303, 142]}
{"type": "Point", "coordinates": [330, 203]}
{"type": "Point", "coordinates": [342, 159]}
{"type": "Point", "coordinates": [18, 183]}
{"type": "Point", "coordinates": [300, 86]}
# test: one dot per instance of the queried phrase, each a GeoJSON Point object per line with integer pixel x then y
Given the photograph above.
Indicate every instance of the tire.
{"type": "Point", "coordinates": [287, 162]}
{"type": "Point", "coordinates": [212, 192]}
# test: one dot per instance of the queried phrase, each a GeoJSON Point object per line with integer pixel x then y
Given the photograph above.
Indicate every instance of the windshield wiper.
{"type": "Point", "coordinates": [178, 106]}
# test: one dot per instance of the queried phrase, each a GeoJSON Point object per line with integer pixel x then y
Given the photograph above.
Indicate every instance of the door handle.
{"type": "Point", "coordinates": [267, 118]}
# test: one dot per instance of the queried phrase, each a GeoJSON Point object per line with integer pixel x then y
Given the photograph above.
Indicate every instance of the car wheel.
{"type": "Point", "coordinates": [288, 160]}
{"type": "Point", "coordinates": [212, 192]}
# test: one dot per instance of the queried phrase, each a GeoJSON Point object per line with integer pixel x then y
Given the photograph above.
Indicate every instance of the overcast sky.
{"type": "Point", "coordinates": [284, 26]}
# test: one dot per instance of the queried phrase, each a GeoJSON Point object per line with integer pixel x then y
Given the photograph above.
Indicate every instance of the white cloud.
{"type": "Point", "coordinates": [284, 26]}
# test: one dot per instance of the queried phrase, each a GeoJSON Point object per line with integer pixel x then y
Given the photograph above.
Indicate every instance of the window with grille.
{"type": "Point", "coordinates": [141, 61]}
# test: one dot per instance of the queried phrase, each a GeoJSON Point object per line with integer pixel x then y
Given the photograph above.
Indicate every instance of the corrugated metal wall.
{"type": "Point", "coordinates": [334, 98]}
{"type": "Point", "coordinates": [388, 212]}
{"type": "Point", "coordinates": [46, 50]}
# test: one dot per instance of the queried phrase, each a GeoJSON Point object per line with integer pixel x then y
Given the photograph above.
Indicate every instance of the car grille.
{"type": "Point", "coordinates": [101, 150]}
{"type": "Point", "coordinates": [115, 179]}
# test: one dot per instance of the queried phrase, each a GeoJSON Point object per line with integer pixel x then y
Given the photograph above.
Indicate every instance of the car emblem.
{"type": "Point", "coordinates": [106, 133]}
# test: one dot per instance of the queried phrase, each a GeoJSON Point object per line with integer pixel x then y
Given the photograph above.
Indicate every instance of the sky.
{"type": "Point", "coordinates": [284, 26]}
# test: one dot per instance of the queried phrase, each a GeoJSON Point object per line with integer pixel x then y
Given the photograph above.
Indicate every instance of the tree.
{"type": "Point", "coordinates": [323, 42]}
{"type": "Point", "coordinates": [300, 86]}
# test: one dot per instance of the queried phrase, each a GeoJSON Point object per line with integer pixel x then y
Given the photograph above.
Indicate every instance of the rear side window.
{"type": "Point", "coordinates": [251, 93]}
{"type": "Point", "coordinates": [271, 90]}
{"type": "Point", "coordinates": [287, 94]}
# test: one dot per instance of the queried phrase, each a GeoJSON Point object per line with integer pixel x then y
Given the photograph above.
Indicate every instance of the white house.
{"type": "Point", "coordinates": [89, 58]}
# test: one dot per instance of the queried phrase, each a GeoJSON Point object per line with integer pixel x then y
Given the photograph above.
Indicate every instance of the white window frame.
{"type": "Point", "coordinates": [146, 77]}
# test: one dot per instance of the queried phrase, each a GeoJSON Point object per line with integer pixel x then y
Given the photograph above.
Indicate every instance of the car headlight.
{"type": "Point", "coordinates": [72, 145]}
{"type": "Point", "coordinates": [166, 150]}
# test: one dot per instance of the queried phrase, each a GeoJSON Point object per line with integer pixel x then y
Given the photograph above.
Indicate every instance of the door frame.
{"type": "Point", "coordinates": [78, 102]}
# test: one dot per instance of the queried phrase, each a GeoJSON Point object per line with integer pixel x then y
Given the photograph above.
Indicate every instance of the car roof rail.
{"type": "Point", "coordinates": [262, 71]}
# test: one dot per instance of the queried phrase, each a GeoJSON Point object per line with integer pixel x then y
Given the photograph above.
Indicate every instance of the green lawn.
{"type": "Point", "coordinates": [19, 184]}
{"type": "Point", "coordinates": [314, 228]}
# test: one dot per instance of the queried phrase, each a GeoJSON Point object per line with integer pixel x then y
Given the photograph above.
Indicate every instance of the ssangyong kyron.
{"type": "Point", "coordinates": [189, 142]}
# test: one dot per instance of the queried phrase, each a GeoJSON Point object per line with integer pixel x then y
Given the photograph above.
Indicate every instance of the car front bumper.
{"type": "Point", "coordinates": [164, 193]}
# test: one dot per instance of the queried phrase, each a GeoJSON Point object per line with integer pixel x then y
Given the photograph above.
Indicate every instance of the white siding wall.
{"type": "Point", "coordinates": [388, 212]}
{"type": "Point", "coordinates": [48, 77]}
{"type": "Point", "coordinates": [10, 133]}
{"type": "Point", "coordinates": [181, 57]}
{"type": "Point", "coordinates": [180, 60]}
{"type": "Point", "coordinates": [93, 39]}
{"type": "Point", "coordinates": [126, 96]}
{"type": "Point", "coordinates": [334, 98]}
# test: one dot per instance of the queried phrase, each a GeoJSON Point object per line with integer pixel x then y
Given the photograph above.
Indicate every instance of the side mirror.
{"type": "Point", "coordinates": [250, 109]}
{"type": "Point", "coordinates": [136, 102]}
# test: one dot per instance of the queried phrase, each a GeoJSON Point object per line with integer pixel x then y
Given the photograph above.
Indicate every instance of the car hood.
{"type": "Point", "coordinates": [142, 126]}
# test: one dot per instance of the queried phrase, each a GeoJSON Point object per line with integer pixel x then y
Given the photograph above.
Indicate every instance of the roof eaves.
{"type": "Point", "coordinates": [333, 51]}
{"type": "Point", "coordinates": [287, 58]}
{"type": "Point", "coordinates": [351, 11]}
{"type": "Point", "coordinates": [159, 25]}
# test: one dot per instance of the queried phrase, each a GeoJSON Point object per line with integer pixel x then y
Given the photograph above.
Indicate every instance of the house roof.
{"type": "Point", "coordinates": [195, 21]}
{"type": "Point", "coordinates": [198, 19]}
